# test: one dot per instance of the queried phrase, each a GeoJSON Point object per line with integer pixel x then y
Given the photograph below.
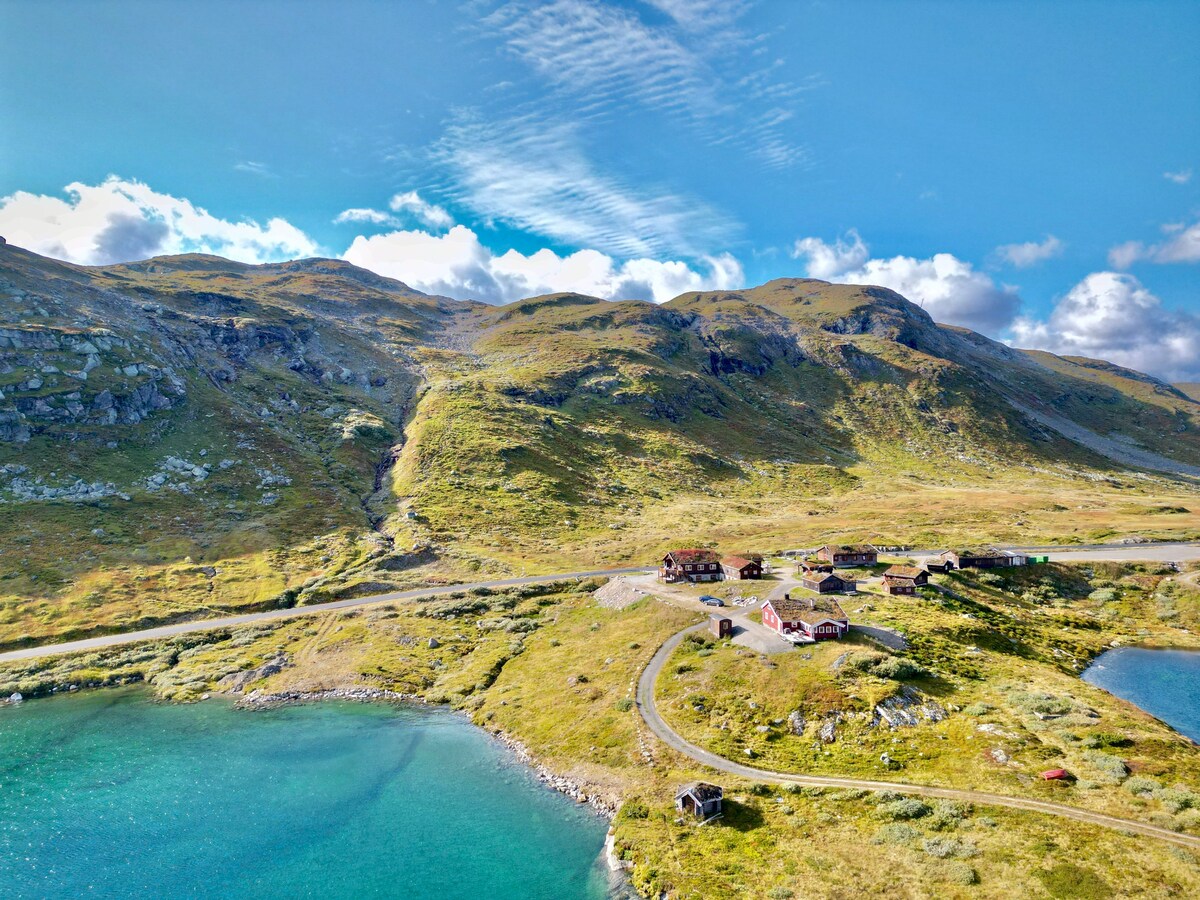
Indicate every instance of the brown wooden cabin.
{"type": "Point", "coordinates": [977, 559]}
{"type": "Point", "coordinates": [844, 555]}
{"type": "Point", "coordinates": [690, 565]}
{"type": "Point", "coordinates": [901, 580]}
{"type": "Point", "coordinates": [828, 583]}
{"type": "Point", "coordinates": [700, 799]}
{"type": "Point", "coordinates": [739, 568]}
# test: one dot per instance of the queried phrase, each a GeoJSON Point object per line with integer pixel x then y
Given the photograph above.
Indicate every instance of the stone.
{"type": "Point", "coordinates": [434, 643]}
{"type": "Point", "coordinates": [15, 697]}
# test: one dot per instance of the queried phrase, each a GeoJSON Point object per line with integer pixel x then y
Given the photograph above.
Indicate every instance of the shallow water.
{"type": "Point", "coordinates": [108, 794]}
{"type": "Point", "coordinates": [1165, 683]}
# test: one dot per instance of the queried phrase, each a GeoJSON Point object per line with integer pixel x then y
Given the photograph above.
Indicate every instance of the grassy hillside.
{"type": "Point", "coordinates": [170, 427]}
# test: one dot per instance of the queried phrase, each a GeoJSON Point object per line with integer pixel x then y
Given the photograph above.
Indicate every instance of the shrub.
{"type": "Point", "coordinates": [1107, 739]}
{"type": "Point", "coordinates": [761, 790]}
{"type": "Point", "coordinates": [1176, 799]}
{"type": "Point", "coordinates": [1140, 784]}
{"type": "Point", "coordinates": [1070, 880]}
{"type": "Point", "coordinates": [634, 809]}
{"type": "Point", "coordinates": [947, 814]}
{"type": "Point", "coordinates": [898, 669]}
{"type": "Point", "coordinates": [624, 704]}
{"type": "Point", "coordinates": [1104, 595]}
{"type": "Point", "coordinates": [908, 808]}
{"type": "Point", "coordinates": [961, 873]}
{"type": "Point", "coordinates": [977, 709]}
{"type": "Point", "coordinates": [1111, 767]}
{"type": "Point", "coordinates": [780, 893]}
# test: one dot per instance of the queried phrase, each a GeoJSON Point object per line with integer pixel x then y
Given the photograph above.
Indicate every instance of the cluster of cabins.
{"type": "Point", "coordinates": [818, 616]}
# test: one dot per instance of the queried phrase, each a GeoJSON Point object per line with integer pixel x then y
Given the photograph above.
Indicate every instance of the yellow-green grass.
{"type": "Point", "coordinates": [774, 843]}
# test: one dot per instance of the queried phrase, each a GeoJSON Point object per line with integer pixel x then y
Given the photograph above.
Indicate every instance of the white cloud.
{"type": "Point", "coordinates": [456, 264]}
{"type": "Point", "coordinates": [121, 221]}
{"type": "Point", "coordinates": [431, 215]}
{"type": "Point", "coordinates": [1183, 176]}
{"type": "Point", "coordinates": [409, 203]}
{"type": "Point", "coordinates": [1031, 252]}
{"type": "Point", "coordinates": [1112, 316]}
{"type": "Point", "coordinates": [950, 289]}
{"type": "Point", "coordinates": [1182, 245]}
{"type": "Point", "coordinates": [365, 216]}
{"type": "Point", "coordinates": [532, 175]}
{"type": "Point", "coordinates": [831, 261]}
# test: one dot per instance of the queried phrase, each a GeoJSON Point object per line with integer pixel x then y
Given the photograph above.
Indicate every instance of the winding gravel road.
{"type": "Point", "coordinates": [164, 631]}
{"type": "Point", "coordinates": [655, 722]}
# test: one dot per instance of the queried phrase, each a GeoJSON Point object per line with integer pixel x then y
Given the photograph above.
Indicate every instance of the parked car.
{"type": "Point", "coordinates": [712, 601]}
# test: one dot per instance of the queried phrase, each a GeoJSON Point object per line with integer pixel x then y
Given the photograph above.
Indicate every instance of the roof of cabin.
{"type": "Point", "coordinates": [738, 562]}
{"type": "Point", "coordinates": [904, 572]}
{"type": "Point", "coordinates": [701, 790]}
{"type": "Point", "coordinates": [694, 555]}
{"type": "Point", "coordinates": [808, 609]}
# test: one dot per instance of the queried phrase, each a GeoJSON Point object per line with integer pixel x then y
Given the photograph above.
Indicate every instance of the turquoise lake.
{"type": "Point", "coordinates": [1165, 683]}
{"type": "Point", "coordinates": [107, 794]}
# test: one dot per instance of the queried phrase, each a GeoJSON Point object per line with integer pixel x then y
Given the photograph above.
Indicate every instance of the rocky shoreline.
{"type": "Point", "coordinates": [260, 700]}
{"type": "Point", "coordinates": [600, 805]}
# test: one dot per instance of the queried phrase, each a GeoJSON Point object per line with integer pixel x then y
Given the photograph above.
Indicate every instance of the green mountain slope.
{"type": "Point", "coordinates": [189, 433]}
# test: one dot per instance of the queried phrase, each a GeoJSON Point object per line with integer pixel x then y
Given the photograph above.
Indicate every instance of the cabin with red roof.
{"type": "Point", "coordinates": [690, 565]}
{"type": "Point", "coordinates": [739, 568]}
{"type": "Point", "coordinates": [804, 619]}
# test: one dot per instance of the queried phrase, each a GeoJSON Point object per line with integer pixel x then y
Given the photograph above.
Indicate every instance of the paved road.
{"type": "Point", "coordinates": [1156, 552]}
{"type": "Point", "coordinates": [165, 631]}
{"type": "Point", "coordinates": [649, 712]}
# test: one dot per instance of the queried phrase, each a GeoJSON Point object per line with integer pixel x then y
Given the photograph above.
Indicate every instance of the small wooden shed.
{"type": "Point", "coordinates": [720, 626]}
{"type": "Point", "coordinates": [700, 799]}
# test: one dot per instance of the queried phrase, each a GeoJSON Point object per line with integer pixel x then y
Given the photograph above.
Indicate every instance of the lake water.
{"type": "Point", "coordinates": [107, 794]}
{"type": "Point", "coordinates": [1165, 683]}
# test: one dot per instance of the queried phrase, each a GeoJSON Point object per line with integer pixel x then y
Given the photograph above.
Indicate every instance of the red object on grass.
{"type": "Point", "coordinates": [1054, 774]}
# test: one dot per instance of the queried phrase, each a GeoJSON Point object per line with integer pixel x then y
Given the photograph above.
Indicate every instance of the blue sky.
{"type": "Point", "coordinates": [1025, 169]}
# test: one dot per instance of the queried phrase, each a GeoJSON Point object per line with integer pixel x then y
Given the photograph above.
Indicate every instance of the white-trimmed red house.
{"type": "Point", "coordinates": [814, 618]}
{"type": "Point", "coordinates": [739, 568]}
{"type": "Point", "coordinates": [690, 565]}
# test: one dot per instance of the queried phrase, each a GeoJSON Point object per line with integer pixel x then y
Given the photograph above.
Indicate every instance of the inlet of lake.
{"type": "Point", "coordinates": [109, 794]}
{"type": "Point", "coordinates": [1162, 682]}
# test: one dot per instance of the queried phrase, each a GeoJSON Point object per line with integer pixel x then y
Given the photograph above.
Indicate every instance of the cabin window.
{"type": "Point", "coordinates": [689, 568]}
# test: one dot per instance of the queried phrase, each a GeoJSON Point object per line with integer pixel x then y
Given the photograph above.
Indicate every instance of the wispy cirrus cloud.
{"type": "Point", "coordinates": [534, 175]}
{"type": "Point", "coordinates": [697, 67]}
